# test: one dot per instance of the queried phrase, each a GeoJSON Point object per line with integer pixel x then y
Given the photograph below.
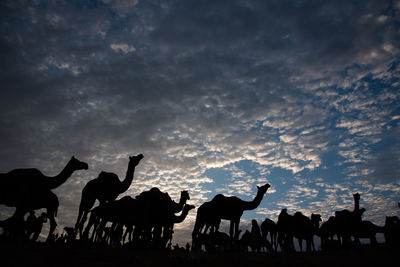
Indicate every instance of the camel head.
{"type": "Point", "coordinates": [362, 210]}
{"type": "Point", "coordinates": [263, 189]}
{"type": "Point", "coordinates": [77, 165]}
{"type": "Point", "coordinates": [283, 211]}
{"type": "Point", "coordinates": [188, 207]}
{"type": "Point", "coordinates": [315, 219]}
{"type": "Point", "coordinates": [185, 195]}
{"type": "Point", "coordinates": [135, 159]}
{"type": "Point", "coordinates": [392, 220]}
{"type": "Point", "coordinates": [356, 196]}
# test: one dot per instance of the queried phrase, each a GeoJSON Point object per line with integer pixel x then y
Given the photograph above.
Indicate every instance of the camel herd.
{"type": "Point", "coordinates": [148, 219]}
{"type": "Point", "coordinates": [343, 230]}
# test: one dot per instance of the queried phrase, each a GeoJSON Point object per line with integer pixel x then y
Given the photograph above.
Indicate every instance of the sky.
{"type": "Point", "coordinates": [219, 97]}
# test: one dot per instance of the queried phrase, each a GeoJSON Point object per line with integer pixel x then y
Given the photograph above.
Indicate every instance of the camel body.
{"type": "Point", "coordinates": [130, 212]}
{"type": "Point", "coordinates": [269, 226]}
{"type": "Point", "coordinates": [159, 214]}
{"type": "Point", "coordinates": [222, 207]}
{"type": "Point", "coordinates": [392, 231]}
{"type": "Point", "coordinates": [29, 189]}
{"type": "Point", "coordinates": [348, 222]}
{"type": "Point", "coordinates": [105, 188]}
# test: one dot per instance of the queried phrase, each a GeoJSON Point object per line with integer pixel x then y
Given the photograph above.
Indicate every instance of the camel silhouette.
{"type": "Point", "coordinates": [168, 225]}
{"type": "Point", "coordinates": [124, 211]}
{"type": "Point", "coordinates": [305, 228]}
{"type": "Point", "coordinates": [30, 189]}
{"type": "Point", "coordinates": [269, 226]}
{"type": "Point", "coordinates": [327, 232]}
{"type": "Point", "coordinates": [285, 231]}
{"type": "Point", "coordinates": [244, 241]}
{"type": "Point", "coordinates": [160, 212]}
{"type": "Point", "coordinates": [347, 222]}
{"type": "Point", "coordinates": [155, 206]}
{"type": "Point", "coordinates": [137, 212]}
{"type": "Point", "coordinates": [369, 230]}
{"type": "Point", "coordinates": [155, 197]}
{"type": "Point", "coordinates": [228, 208]}
{"type": "Point", "coordinates": [219, 241]}
{"type": "Point", "coordinates": [392, 231]}
{"type": "Point", "coordinates": [257, 242]}
{"type": "Point", "coordinates": [298, 226]}
{"type": "Point", "coordinates": [106, 187]}
{"type": "Point", "coordinates": [204, 222]}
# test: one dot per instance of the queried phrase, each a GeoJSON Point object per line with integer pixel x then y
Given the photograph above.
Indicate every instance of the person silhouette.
{"type": "Point", "coordinates": [38, 224]}
{"type": "Point", "coordinates": [255, 241]}
{"type": "Point", "coordinates": [30, 224]}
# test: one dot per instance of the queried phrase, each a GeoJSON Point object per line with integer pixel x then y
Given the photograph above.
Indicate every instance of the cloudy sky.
{"type": "Point", "coordinates": [219, 96]}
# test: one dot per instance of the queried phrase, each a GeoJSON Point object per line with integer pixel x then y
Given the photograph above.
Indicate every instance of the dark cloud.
{"type": "Point", "coordinates": [196, 85]}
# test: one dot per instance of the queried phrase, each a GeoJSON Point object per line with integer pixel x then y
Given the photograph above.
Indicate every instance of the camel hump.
{"type": "Point", "coordinates": [344, 212]}
{"type": "Point", "coordinates": [29, 173]}
{"type": "Point", "coordinates": [154, 195]}
{"type": "Point", "coordinates": [218, 197]}
{"type": "Point", "coordinates": [107, 176]}
{"type": "Point", "coordinates": [299, 214]}
{"type": "Point", "coordinates": [28, 178]}
{"type": "Point", "coordinates": [125, 198]}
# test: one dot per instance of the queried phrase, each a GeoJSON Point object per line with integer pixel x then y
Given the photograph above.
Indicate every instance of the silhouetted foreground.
{"type": "Point", "coordinates": [41, 254]}
{"type": "Point", "coordinates": [146, 221]}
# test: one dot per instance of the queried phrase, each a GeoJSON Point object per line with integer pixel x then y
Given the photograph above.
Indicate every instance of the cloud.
{"type": "Point", "coordinates": [123, 48]}
{"type": "Point", "coordinates": [286, 87]}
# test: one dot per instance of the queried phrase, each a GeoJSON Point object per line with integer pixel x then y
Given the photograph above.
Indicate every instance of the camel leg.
{"type": "Point", "coordinates": [308, 244]}
{"type": "Point", "coordinates": [94, 221]}
{"type": "Point", "coordinates": [84, 207]}
{"type": "Point", "coordinates": [197, 231]}
{"type": "Point", "coordinates": [300, 244]}
{"type": "Point", "coordinates": [100, 235]}
{"type": "Point", "coordinates": [53, 225]}
{"type": "Point", "coordinates": [52, 202]}
{"type": "Point", "coordinates": [274, 241]}
{"type": "Point", "coordinates": [231, 229]}
{"type": "Point", "coordinates": [290, 242]}
{"type": "Point", "coordinates": [236, 235]}
{"type": "Point", "coordinates": [312, 244]}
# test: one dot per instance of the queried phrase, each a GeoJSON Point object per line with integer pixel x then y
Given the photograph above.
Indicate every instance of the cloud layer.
{"type": "Point", "coordinates": [220, 96]}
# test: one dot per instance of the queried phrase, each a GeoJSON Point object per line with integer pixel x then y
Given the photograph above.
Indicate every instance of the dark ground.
{"type": "Point", "coordinates": [42, 255]}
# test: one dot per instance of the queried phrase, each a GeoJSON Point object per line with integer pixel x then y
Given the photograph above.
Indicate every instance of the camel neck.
{"type": "Point", "coordinates": [179, 206]}
{"type": "Point", "coordinates": [126, 183]}
{"type": "Point", "coordinates": [181, 218]}
{"type": "Point", "coordinates": [251, 205]}
{"type": "Point", "coordinates": [56, 181]}
{"type": "Point", "coordinates": [356, 205]}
